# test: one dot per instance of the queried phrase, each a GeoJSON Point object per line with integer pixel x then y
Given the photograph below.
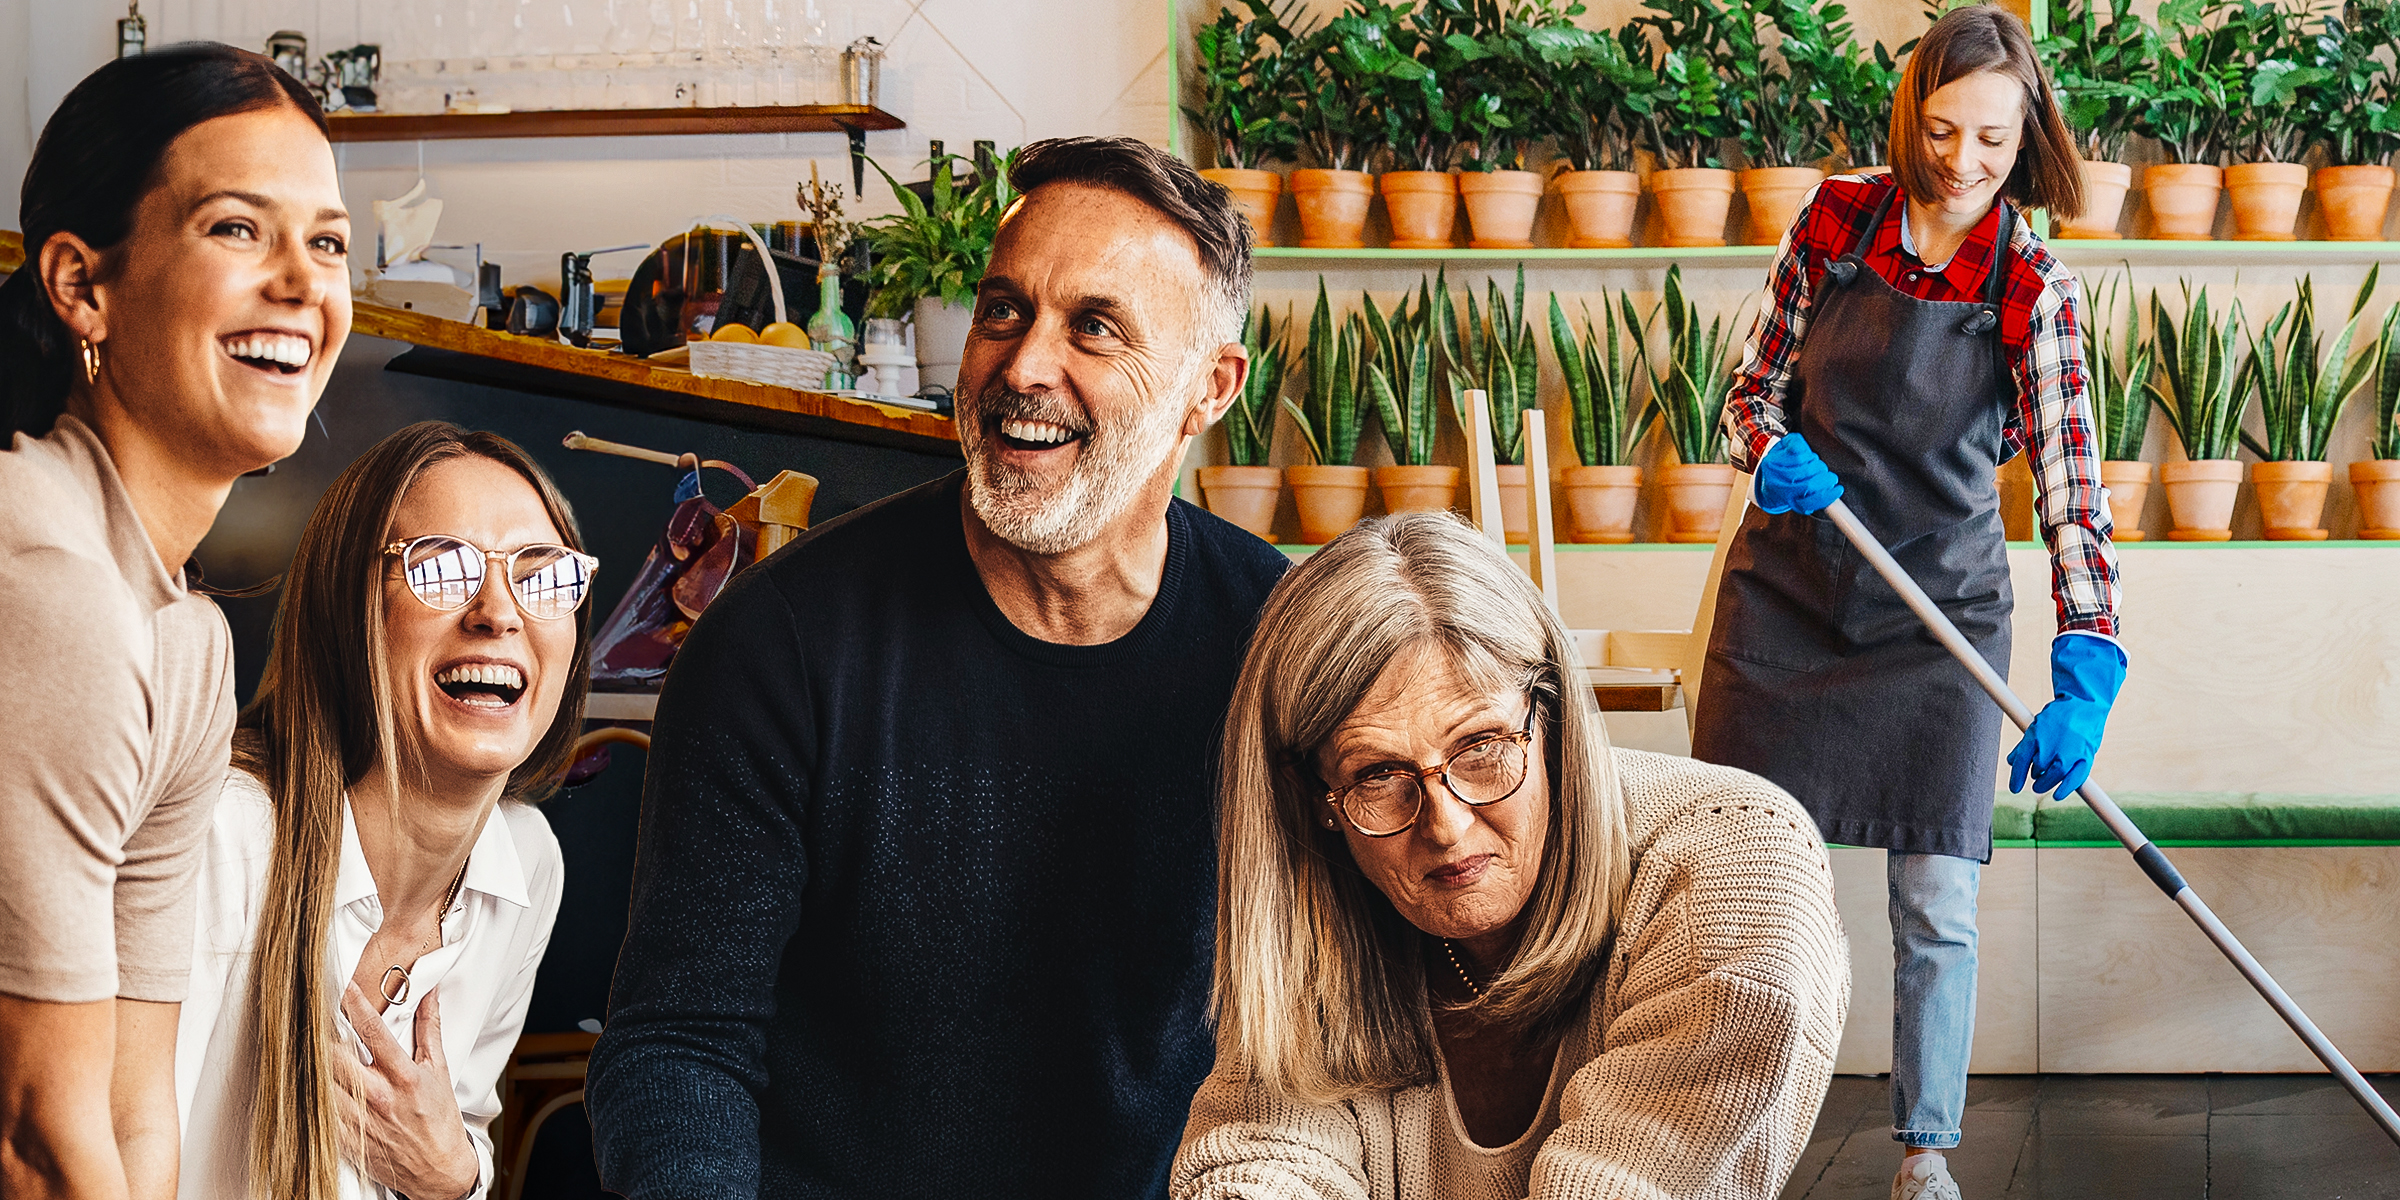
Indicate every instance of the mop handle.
{"type": "Point", "coordinates": [2153, 863]}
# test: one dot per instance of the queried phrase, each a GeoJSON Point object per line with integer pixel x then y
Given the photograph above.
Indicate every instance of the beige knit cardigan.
{"type": "Point", "coordinates": [1697, 1072]}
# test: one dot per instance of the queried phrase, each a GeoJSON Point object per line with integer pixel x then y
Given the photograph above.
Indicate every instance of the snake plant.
{"type": "Point", "coordinates": [1600, 377]}
{"type": "Point", "coordinates": [1689, 386]}
{"type": "Point", "coordinates": [2300, 389]}
{"type": "Point", "coordinates": [1250, 423]}
{"type": "Point", "coordinates": [2384, 438]}
{"type": "Point", "coordinates": [1400, 376]}
{"type": "Point", "coordinates": [2202, 401]}
{"type": "Point", "coordinates": [1493, 352]}
{"type": "Point", "coordinates": [1333, 394]}
{"type": "Point", "coordinates": [2119, 371]}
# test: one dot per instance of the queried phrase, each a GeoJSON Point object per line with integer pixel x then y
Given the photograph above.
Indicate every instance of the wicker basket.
{"type": "Point", "coordinates": [753, 362]}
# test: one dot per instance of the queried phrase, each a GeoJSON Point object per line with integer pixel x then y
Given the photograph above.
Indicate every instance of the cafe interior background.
{"type": "Point", "coordinates": [2257, 723]}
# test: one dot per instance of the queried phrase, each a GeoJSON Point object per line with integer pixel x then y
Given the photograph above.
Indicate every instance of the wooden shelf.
{"type": "Point", "coordinates": [1269, 256]}
{"type": "Point", "coordinates": [620, 122]}
{"type": "Point", "coordinates": [2074, 251]}
{"type": "Point", "coordinates": [473, 354]}
{"type": "Point", "coordinates": [12, 251]}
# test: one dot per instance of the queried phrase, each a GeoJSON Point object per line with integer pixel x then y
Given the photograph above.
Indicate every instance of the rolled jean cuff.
{"type": "Point", "coordinates": [1927, 1139]}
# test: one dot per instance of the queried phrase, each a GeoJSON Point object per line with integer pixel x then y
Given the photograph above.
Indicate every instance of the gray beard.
{"type": "Point", "coordinates": [1039, 513]}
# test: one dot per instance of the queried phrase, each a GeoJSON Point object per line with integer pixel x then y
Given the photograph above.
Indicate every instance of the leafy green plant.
{"type": "Point", "coordinates": [2197, 78]}
{"type": "Point", "coordinates": [2099, 62]}
{"type": "Point", "coordinates": [2301, 388]}
{"type": "Point", "coordinates": [1598, 91]}
{"type": "Point", "coordinates": [2355, 110]}
{"type": "Point", "coordinates": [1343, 64]}
{"type": "Point", "coordinates": [937, 248]}
{"type": "Point", "coordinates": [1688, 387]}
{"type": "Point", "coordinates": [1853, 84]}
{"type": "Point", "coordinates": [2274, 63]}
{"type": "Point", "coordinates": [1600, 377]}
{"type": "Point", "coordinates": [1413, 109]}
{"type": "Point", "coordinates": [1250, 423]}
{"type": "Point", "coordinates": [2202, 400]}
{"type": "Point", "coordinates": [1497, 84]}
{"type": "Point", "coordinates": [1492, 351]}
{"type": "Point", "coordinates": [1244, 78]}
{"type": "Point", "coordinates": [1687, 115]}
{"type": "Point", "coordinates": [2118, 366]}
{"type": "Point", "coordinates": [1400, 376]}
{"type": "Point", "coordinates": [1334, 394]}
{"type": "Point", "coordinates": [1778, 104]}
{"type": "Point", "coordinates": [2384, 438]}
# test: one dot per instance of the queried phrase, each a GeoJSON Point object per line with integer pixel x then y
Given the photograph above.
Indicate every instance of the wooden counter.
{"type": "Point", "coordinates": [473, 354]}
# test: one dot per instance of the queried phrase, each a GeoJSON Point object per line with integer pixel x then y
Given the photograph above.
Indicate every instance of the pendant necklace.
{"type": "Point", "coordinates": [395, 990]}
{"type": "Point", "coordinates": [1460, 967]}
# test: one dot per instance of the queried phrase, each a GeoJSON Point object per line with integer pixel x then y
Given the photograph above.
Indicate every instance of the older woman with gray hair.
{"type": "Point", "coordinates": [1466, 949]}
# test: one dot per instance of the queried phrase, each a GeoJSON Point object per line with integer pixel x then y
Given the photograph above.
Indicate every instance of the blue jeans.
{"type": "Point", "coordinates": [1933, 994]}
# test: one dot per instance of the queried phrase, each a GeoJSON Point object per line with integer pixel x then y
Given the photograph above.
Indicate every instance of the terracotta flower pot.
{"type": "Point", "coordinates": [1417, 489]}
{"type": "Point", "coordinates": [2183, 200]}
{"type": "Point", "coordinates": [1696, 496]}
{"type": "Point", "coordinates": [2291, 499]}
{"type": "Point", "coordinates": [1693, 201]}
{"type": "Point", "coordinates": [2266, 199]}
{"type": "Point", "coordinates": [2128, 488]}
{"type": "Point", "coordinates": [1516, 504]}
{"type": "Point", "coordinates": [2353, 200]}
{"type": "Point", "coordinates": [1500, 207]}
{"type": "Point", "coordinates": [1255, 193]}
{"type": "Point", "coordinates": [1600, 207]}
{"type": "Point", "coordinates": [1600, 502]}
{"type": "Point", "coordinates": [1243, 495]}
{"type": "Point", "coordinates": [2377, 481]}
{"type": "Point", "coordinates": [2200, 498]}
{"type": "Point", "coordinates": [1333, 207]}
{"type": "Point", "coordinates": [1774, 194]}
{"type": "Point", "coordinates": [2104, 185]}
{"type": "Point", "coordinates": [1423, 206]}
{"type": "Point", "coordinates": [1330, 500]}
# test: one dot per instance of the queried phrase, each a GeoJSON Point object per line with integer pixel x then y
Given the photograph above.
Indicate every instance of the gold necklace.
{"type": "Point", "coordinates": [396, 994]}
{"type": "Point", "coordinates": [1461, 968]}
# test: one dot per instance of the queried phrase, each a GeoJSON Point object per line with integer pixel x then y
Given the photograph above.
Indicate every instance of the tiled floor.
{"type": "Point", "coordinates": [2120, 1137]}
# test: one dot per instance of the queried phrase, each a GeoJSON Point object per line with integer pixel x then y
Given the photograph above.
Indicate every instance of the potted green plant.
{"type": "Point", "coordinates": [2117, 368]}
{"type": "Point", "coordinates": [1859, 84]}
{"type": "Point", "coordinates": [1245, 491]}
{"type": "Point", "coordinates": [1400, 381]}
{"type": "Point", "coordinates": [1499, 93]}
{"type": "Point", "coordinates": [929, 257]}
{"type": "Point", "coordinates": [2301, 389]}
{"type": "Point", "coordinates": [2377, 478]}
{"type": "Point", "coordinates": [1330, 490]}
{"type": "Point", "coordinates": [2099, 62]}
{"type": "Point", "coordinates": [1688, 387]}
{"type": "Point", "coordinates": [1337, 73]}
{"type": "Point", "coordinates": [2196, 79]}
{"type": "Point", "coordinates": [2275, 66]}
{"type": "Point", "coordinates": [1687, 120]}
{"type": "Point", "coordinates": [1493, 352]}
{"type": "Point", "coordinates": [2203, 405]}
{"type": "Point", "coordinates": [2355, 114]}
{"type": "Point", "coordinates": [1243, 80]}
{"type": "Point", "coordinates": [1778, 108]}
{"type": "Point", "coordinates": [1600, 374]}
{"type": "Point", "coordinates": [1599, 88]}
{"type": "Point", "coordinates": [1419, 130]}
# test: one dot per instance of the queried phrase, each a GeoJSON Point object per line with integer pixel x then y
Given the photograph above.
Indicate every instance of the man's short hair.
{"type": "Point", "coordinates": [1203, 209]}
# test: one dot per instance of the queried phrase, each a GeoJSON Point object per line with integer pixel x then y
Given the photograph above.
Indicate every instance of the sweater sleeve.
{"type": "Point", "coordinates": [676, 1078]}
{"type": "Point", "coordinates": [1725, 1004]}
{"type": "Point", "coordinates": [1244, 1144]}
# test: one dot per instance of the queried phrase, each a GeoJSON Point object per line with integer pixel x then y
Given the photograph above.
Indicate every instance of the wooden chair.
{"type": "Point", "coordinates": [544, 1078]}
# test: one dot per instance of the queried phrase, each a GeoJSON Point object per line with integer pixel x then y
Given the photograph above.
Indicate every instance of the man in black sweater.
{"type": "Point", "coordinates": [924, 896]}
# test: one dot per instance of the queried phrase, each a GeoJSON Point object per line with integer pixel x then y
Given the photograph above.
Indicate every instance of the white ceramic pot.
{"type": "Point", "coordinates": [941, 340]}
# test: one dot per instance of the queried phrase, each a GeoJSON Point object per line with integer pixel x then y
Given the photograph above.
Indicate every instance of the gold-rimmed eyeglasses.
{"type": "Point", "coordinates": [1485, 771]}
{"type": "Point", "coordinates": [446, 573]}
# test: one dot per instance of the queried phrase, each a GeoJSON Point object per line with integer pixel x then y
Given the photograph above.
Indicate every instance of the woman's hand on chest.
{"type": "Point", "coordinates": [415, 1141]}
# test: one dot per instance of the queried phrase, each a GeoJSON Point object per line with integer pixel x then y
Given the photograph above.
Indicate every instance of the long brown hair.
{"type": "Point", "coordinates": [1981, 37]}
{"type": "Point", "coordinates": [321, 720]}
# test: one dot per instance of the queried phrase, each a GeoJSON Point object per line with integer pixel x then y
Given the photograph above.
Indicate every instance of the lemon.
{"type": "Point", "coordinates": [784, 333]}
{"type": "Point", "coordinates": [733, 333]}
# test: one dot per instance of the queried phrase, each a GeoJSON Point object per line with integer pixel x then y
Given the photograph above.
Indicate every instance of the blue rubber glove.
{"type": "Point", "coordinates": [1792, 478]}
{"type": "Point", "coordinates": [2059, 746]}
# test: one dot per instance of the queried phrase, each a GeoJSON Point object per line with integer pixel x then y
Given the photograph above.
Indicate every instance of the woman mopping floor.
{"type": "Point", "coordinates": [1916, 334]}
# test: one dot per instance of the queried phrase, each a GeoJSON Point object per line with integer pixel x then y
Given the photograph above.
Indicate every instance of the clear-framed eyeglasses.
{"type": "Point", "coordinates": [1486, 771]}
{"type": "Point", "coordinates": [447, 573]}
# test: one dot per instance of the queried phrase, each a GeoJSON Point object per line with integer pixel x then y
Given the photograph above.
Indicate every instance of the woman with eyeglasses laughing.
{"type": "Point", "coordinates": [373, 855]}
{"type": "Point", "coordinates": [1464, 949]}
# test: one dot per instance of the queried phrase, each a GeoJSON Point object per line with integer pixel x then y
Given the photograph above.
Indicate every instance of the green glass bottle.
{"type": "Point", "coordinates": [830, 329]}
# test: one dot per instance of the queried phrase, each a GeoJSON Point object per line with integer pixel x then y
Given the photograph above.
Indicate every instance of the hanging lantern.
{"type": "Point", "coordinates": [289, 49]}
{"type": "Point", "coordinates": [133, 33]}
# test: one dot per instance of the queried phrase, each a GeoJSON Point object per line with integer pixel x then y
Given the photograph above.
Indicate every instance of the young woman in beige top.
{"type": "Point", "coordinates": [184, 296]}
{"type": "Point", "coordinates": [1465, 950]}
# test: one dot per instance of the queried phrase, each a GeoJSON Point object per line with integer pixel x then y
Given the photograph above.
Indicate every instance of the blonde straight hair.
{"type": "Point", "coordinates": [1320, 989]}
{"type": "Point", "coordinates": [321, 719]}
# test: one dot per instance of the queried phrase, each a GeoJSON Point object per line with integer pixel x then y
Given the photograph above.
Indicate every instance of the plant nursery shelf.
{"type": "Point", "coordinates": [2075, 252]}
{"type": "Point", "coordinates": [1638, 255]}
{"type": "Point", "coordinates": [624, 122]}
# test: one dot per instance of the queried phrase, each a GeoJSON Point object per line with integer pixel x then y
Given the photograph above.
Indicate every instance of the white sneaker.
{"type": "Point", "coordinates": [1924, 1177]}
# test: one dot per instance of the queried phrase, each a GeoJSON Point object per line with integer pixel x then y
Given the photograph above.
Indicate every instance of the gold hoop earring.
{"type": "Point", "coordinates": [91, 362]}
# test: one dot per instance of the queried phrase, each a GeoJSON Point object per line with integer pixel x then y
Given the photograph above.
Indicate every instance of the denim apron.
{"type": "Point", "coordinates": [1819, 677]}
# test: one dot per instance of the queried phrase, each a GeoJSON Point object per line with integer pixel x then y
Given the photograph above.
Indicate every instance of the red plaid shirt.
{"type": "Point", "coordinates": [2040, 334]}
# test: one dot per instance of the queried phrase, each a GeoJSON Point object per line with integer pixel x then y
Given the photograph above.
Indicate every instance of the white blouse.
{"type": "Point", "coordinates": [492, 942]}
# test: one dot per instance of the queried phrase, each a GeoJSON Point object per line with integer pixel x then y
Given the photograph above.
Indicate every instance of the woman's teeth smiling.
{"type": "Point", "coordinates": [483, 685]}
{"type": "Point", "coordinates": [279, 352]}
{"type": "Point", "coordinates": [1036, 434]}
